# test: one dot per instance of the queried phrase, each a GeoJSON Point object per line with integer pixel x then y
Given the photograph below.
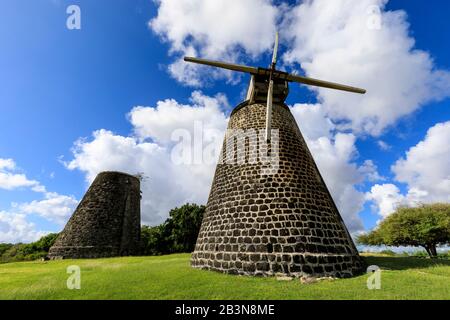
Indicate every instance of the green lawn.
{"type": "Point", "coordinates": [171, 277]}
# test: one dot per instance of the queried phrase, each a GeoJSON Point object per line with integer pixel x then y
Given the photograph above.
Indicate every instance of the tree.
{"type": "Point", "coordinates": [177, 234]}
{"type": "Point", "coordinates": [4, 247]}
{"type": "Point", "coordinates": [45, 243]}
{"type": "Point", "coordinates": [185, 223]}
{"type": "Point", "coordinates": [426, 226]}
{"type": "Point", "coordinates": [155, 240]}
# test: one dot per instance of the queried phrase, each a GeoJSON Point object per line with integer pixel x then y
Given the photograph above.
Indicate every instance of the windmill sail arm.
{"type": "Point", "coordinates": [324, 84]}
{"type": "Point", "coordinates": [275, 50]}
{"type": "Point", "coordinates": [223, 65]}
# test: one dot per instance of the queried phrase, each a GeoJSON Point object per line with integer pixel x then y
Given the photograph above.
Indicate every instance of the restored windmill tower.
{"type": "Point", "coordinates": [277, 216]}
{"type": "Point", "coordinates": [106, 223]}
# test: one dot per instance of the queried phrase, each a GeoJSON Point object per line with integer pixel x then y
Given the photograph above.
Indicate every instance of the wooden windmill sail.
{"type": "Point", "coordinates": [270, 76]}
{"type": "Point", "coordinates": [284, 220]}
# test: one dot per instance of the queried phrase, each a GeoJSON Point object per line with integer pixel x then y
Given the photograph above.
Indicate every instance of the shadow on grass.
{"type": "Point", "coordinates": [404, 263]}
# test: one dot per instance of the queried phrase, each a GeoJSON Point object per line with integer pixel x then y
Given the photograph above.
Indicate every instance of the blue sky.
{"type": "Point", "coordinates": [59, 85]}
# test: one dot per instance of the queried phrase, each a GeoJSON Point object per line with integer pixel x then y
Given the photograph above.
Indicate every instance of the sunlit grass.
{"type": "Point", "coordinates": [171, 277]}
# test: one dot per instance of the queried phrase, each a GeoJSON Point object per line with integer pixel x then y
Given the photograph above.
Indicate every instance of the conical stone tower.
{"type": "Point", "coordinates": [281, 221]}
{"type": "Point", "coordinates": [269, 210]}
{"type": "Point", "coordinates": [107, 221]}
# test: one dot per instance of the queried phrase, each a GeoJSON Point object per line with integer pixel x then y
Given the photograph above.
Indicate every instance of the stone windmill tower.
{"type": "Point", "coordinates": [106, 223]}
{"type": "Point", "coordinates": [277, 216]}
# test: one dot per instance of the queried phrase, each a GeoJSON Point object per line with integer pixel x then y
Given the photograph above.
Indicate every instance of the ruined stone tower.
{"type": "Point", "coordinates": [281, 222]}
{"type": "Point", "coordinates": [106, 223]}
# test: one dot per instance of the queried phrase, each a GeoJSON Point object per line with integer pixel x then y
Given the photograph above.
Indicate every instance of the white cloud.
{"type": "Point", "coordinates": [334, 157]}
{"type": "Point", "coordinates": [383, 145]}
{"type": "Point", "coordinates": [339, 44]}
{"type": "Point", "coordinates": [386, 198]}
{"type": "Point", "coordinates": [331, 40]}
{"type": "Point", "coordinates": [160, 122]}
{"type": "Point", "coordinates": [425, 170]}
{"type": "Point", "coordinates": [312, 120]}
{"type": "Point", "coordinates": [110, 152]}
{"type": "Point", "coordinates": [335, 154]}
{"type": "Point", "coordinates": [10, 179]}
{"type": "Point", "coordinates": [55, 207]}
{"type": "Point", "coordinates": [335, 45]}
{"type": "Point", "coordinates": [14, 228]}
{"type": "Point", "coordinates": [370, 170]}
{"type": "Point", "coordinates": [219, 29]}
{"type": "Point", "coordinates": [165, 186]}
{"type": "Point", "coordinates": [426, 166]}
{"type": "Point", "coordinates": [8, 164]}
{"type": "Point", "coordinates": [167, 183]}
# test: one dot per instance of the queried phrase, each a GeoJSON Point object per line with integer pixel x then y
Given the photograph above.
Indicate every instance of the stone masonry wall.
{"type": "Point", "coordinates": [286, 222]}
{"type": "Point", "coordinates": [107, 221]}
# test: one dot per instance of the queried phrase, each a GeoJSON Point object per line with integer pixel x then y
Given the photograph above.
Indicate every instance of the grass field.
{"type": "Point", "coordinates": [171, 277]}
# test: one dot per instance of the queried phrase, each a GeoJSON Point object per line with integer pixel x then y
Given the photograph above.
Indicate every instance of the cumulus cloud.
{"type": "Point", "coordinates": [107, 151]}
{"type": "Point", "coordinates": [426, 166]}
{"type": "Point", "coordinates": [358, 43]}
{"type": "Point", "coordinates": [160, 122]}
{"type": "Point", "coordinates": [384, 146]}
{"type": "Point", "coordinates": [219, 29]}
{"type": "Point", "coordinates": [344, 42]}
{"type": "Point", "coordinates": [370, 170]}
{"type": "Point", "coordinates": [334, 158]}
{"type": "Point", "coordinates": [386, 198]}
{"type": "Point", "coordinates": [11, 179]}
{"type": "Point", "coordinates": [425, 170]}
{"type": "Point", "coordinates": [335, 155]}
{"type": "Point", "coordinates": [8, 164]}
{"type": "Point", "coordinates": [14, 228]}
{"type": "Point", "coordinates": [167, 183]}
{"type": "Point", "coordinates": [312, 120]}
{"type": "Point", "coordinates": [55, 207]}
{"type": "Point", "coordinates": [14, 224]}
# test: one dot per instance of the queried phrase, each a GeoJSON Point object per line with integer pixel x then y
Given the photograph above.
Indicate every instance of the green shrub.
{"type": "Point", "coordinates": [420, 254]}
{"type": "Point", "coordinates": [27, 252]}
{"type": "Point", "coordinates": [177, 234]}
{"type": "Point", "coordinates": [388, 252]}
{"type": "Point", "coordinates": [426, 226]}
